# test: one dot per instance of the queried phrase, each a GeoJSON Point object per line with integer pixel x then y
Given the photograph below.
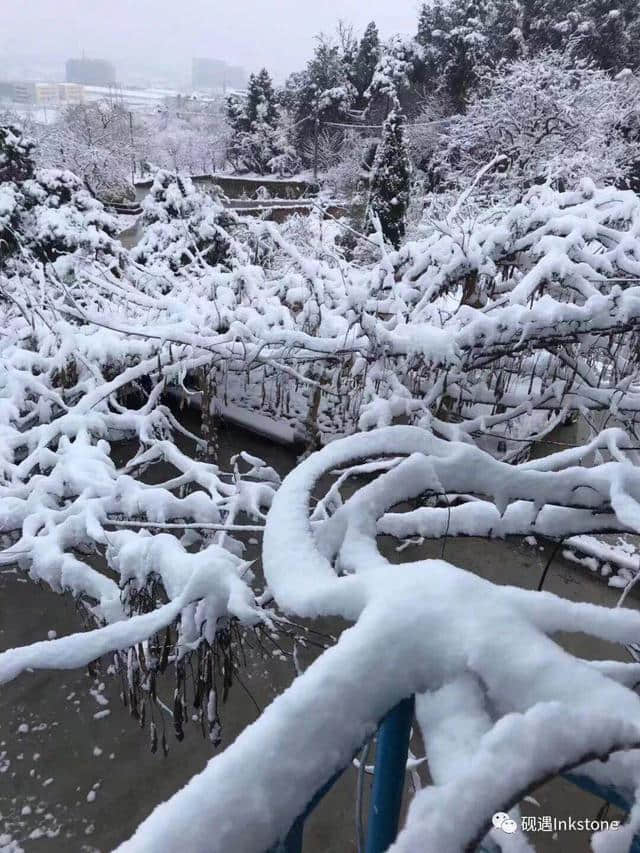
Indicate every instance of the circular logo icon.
{"type": "Point", "coordinates": [501, 820]}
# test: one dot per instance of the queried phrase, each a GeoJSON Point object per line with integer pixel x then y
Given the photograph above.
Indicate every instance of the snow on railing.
{"type": "Point", "coordinates": [500, 704]}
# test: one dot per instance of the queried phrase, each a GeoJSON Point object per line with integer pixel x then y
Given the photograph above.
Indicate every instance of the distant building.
{"type": "Point", "coordinates": [59, 93]}
{"type": "Point", "coordinates": [91, 72]}
{"type": "Point", "coordinates": [24, 93]}
{"type": "Point", "coordinates": [17, 93]}
{"type": "Point", "coordinates": [214, 74]}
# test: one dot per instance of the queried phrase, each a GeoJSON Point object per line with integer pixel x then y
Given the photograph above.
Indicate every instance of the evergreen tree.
{"type": "Point", "coordinates": [180, 223]}
{"type": "Point", "coordinates": [323, 91]}
{"type": "Point", "coordinates": [259, 106]}
{"type": "Point", "coordinates": [236, 113]}
{"type": "Point", "coordinates": [258, 142]}
{"type": "Point", "coordinates": [467, 56]}
{"type": "Point", "coordinates": [390, 179]}
{"type": "Point", "coordinates": [16, 155]}
{"type": "Point", "coordinates": [261, 100]}
{"type": "Point", "coordinates": [460, 39]}
{"type": "Point", "coordinates": [366, 59]}
{"type": "Point", "coordinates": [455, 38]}
{"type": "Point", "coordinates": [608, 33]}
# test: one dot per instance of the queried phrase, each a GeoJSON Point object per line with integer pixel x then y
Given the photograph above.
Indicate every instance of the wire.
{"type": "Point", "coordinates": [543, 576]}
{"type": "Point", "coordinates": [380, 126]}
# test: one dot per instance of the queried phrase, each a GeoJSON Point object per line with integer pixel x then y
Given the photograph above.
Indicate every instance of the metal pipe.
{"type": "Point", "coordinates": [388, 782]}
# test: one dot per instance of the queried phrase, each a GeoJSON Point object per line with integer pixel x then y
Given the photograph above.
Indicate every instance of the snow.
{"type": "Point", "coordinates": [212, 577]}
{"type": "Point", "coordinates": [479, 333]}
{"type": "Point", "coordinates": [477, 634]}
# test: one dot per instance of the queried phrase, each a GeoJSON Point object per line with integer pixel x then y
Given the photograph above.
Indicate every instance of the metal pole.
{"type": "Point", "coordinates": [292, 843]}
{"type": "Point", "coordinates": [388, 782]}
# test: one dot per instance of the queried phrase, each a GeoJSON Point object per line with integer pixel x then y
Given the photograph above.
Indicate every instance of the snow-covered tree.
{"type": "Point", "coordinates": [93, 141]}
{"type": "Point", "coordinates": [366, 59]}
{"type": "Point", "coordinates": [609, 34]}
{"type": "Point", "coordinates": [395, 72]}
{"type": "Point", "coordinates": [16, 154]}
{"type": "Point", "coordinates": [455, 48]}
{"type": "Point", "coordinates": [421, 371]}
{"type": "Point", "coordinates": [182, 226]}
{"type": "Point", "coordinates": [390, 179]}
{"type": "Point", "coordinates": [188, 136]}
{"type": "Point", "coordinates": [460, 40]}
{"type": "Point", "coordinates": [322, 92]}
{"type": "Point", "coordinates": [48, 214]}
{"type": "Point", "coordinates": [546, 120]}
{"type": "Point", "coordinates": [260, 140]}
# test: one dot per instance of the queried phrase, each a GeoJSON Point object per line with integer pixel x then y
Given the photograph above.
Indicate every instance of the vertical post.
{"type": "Point", "coordinates": [388, 781]}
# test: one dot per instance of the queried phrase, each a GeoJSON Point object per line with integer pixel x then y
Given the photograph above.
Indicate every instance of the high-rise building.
{"type": "Point", "coordinates": [90, 72]}
{"type": "Point", "coordinates": [207, 74]}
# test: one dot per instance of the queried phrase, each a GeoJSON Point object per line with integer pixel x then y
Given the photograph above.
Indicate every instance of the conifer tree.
{"type": "Point", "coordinates": [390, 179]}
{"type": "Point", "coordinates": [16, 155]}
{"type": "Point", "coordinates": [258, 142]}
{"type": "Point", "coordinates": [366, 59]}
{"type": "Point", "coordinates": [261, 100]}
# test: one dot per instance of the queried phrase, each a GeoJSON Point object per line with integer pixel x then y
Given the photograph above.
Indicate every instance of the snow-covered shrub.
{"type": "Point", "coordinates": [489, 676]}
{"type": "Point", "coordinates": [61, 216]}
{"type": "Point", "coordinates": [46, 214]}
{"type": "Point", "coordinates": [182, 225]}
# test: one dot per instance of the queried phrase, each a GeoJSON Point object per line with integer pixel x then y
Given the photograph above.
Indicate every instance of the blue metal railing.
{"type": "Point", "coordinates": [388, 785]}
{"type": "Point", "coordinates": [392, 749]}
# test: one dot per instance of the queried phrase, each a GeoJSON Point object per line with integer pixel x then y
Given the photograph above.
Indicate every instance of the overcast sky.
{"type": "Point", "coordinates": [253, 33]}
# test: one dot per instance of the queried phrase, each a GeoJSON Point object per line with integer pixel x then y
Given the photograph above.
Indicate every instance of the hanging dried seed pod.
{"type": "Point", "coordinates": [177, 715]}
{"type": "Point", "coordinates": [215, 729]}
{"type": "Point", "coordinates": [151, 683]}
{"type": "Point", "coordinates": [141, 658]}
{"type": "Point", "coordinates": [164, 656]}
{"type": "Point", "coordinates": [133, 704]}
{"type": "Point", "coordinates": [153, 733]}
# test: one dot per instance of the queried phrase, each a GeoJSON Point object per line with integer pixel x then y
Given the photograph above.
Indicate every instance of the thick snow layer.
{"type": "Point", "coordinates": [427, 628]}
{"type": "Point", "coordinates": [481, 334]}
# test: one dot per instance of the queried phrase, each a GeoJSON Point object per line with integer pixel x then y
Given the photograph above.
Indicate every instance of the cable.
{"type": "Point", "coordinates": [380, 126]}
